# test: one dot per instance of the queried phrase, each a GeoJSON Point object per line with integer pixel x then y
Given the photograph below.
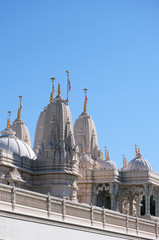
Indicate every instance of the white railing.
{"type": "Point", "coordinates": [30, 203]}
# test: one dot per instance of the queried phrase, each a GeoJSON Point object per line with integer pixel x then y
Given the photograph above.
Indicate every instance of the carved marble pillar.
{"type": "Point", "coordinates": [156, 195]}
{"type": "Point", "coordinates": [157, 206]}
{"type": "Point", "coordinates": [113, 191]}
{"type": "Point", "coordinates": [112, 194]}
{"type": "Point", "coordinates": [94, 195]}
{"type": "Point", "coordinates": [148, 192]}
{"type": "Point", "coordinates": [121, 198]}
{"type": "Point", "coordinates": [131, 205]}
{"type": "Point", "coordinates": [138, 204]}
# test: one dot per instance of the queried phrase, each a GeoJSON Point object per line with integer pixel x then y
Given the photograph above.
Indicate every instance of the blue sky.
{"type": "Point", "coordinates": [110, 47]}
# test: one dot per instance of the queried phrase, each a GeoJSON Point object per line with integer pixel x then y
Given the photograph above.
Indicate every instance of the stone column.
{"type": "Point", "coordinates": [94, 195]}
{"type": "Point", "coordinates": [112, 193]}
{"type": "Point", "coordinates": [138, 203]}
{"type": "Point", "coordinates": [131, 206]}
{"type": "Point", "coordinates": [148, 192]}
{"type": "Point", "coordinates": [121, 198]}
{"type": "Point", "coordinates": [157, 206]}
{"type": "Point", "coordinates": [147, 204]}
{"type": "Point", "coordinates": [156, 194]}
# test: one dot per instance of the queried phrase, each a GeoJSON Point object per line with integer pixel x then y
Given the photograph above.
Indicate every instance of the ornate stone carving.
{"type": "Point", "coordinates": [103, 187]}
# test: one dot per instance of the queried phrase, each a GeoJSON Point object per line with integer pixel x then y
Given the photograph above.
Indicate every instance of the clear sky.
{"type": "Point", "coordinates": [110, 47]}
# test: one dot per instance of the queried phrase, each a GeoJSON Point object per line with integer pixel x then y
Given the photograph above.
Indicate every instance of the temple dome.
{"type": "Point", "coordinates": [138, 164]}
{"type": "Point", "coordinates": [10, 142]}
{"type": "Point", "coordinates": [86, 135]}
{"type": "Point", "coordinates": [107, 164]}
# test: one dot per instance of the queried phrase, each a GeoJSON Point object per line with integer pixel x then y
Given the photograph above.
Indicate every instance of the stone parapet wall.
{"type": "Point", "coordinates": [34, 204]}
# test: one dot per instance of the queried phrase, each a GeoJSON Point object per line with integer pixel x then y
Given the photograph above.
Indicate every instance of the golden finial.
{"type": "Point", "coordinates": [59, 89]}
{"type": "Point", "coordinates": [51, 97]}
{"type": "Point", "coordinates": [53, 89]}
{"type": "Point", "coordinates": [8, 121]}
{"type": "Point", "coordinates": [138, 150]}
{"type": "Point", "coordinates": [19, 113]}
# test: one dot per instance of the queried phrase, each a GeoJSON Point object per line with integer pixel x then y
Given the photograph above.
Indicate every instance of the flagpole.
{"type": "Point", "coordinates": [67, 84]}
{"type": "Point", "coordinates": [20, 108]}
{"type": "Point", "coordinates": [85, 102]}
{"type": "Point", "coordinates": [135, 148]}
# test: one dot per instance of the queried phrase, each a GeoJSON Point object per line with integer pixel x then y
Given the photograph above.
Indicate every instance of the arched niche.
{"type": "Point", "coordinates": [103, 196]}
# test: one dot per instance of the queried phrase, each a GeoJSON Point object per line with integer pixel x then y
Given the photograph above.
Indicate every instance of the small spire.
{"type": "Point", "coordinates": [138, 150]}
{"type": "Point", "coordinates": [53, 89]}
{"type": "Point", "coordinates": [59, 89]}
{"type": "Point", "coordinates": [108, 154]}
{"type": "Point", "coordinates": [8, 120]}
{"type": "Point", "coordinates": [85, 102]}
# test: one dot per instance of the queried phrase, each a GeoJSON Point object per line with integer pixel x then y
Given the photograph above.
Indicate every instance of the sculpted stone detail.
{"type": "Point", "coordinates": [103, 187]}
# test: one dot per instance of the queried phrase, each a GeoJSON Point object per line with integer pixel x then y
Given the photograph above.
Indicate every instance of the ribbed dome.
{"type": "Point", "coordinates": [107, 164]}
{"type": "Point", "coordinates": [138, 164]}
{"type": "Point", "coordinates": [9, 142]}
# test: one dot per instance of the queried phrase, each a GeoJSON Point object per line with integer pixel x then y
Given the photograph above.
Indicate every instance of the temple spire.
{"type": "Point", "coordinates": [85, 102]}
{"type": "Point", "coordinates": [8, 120]}
{"type": "Point", "coordinates": [53, 89]}
{"type": "Point", "coordinates": [20, 108]}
